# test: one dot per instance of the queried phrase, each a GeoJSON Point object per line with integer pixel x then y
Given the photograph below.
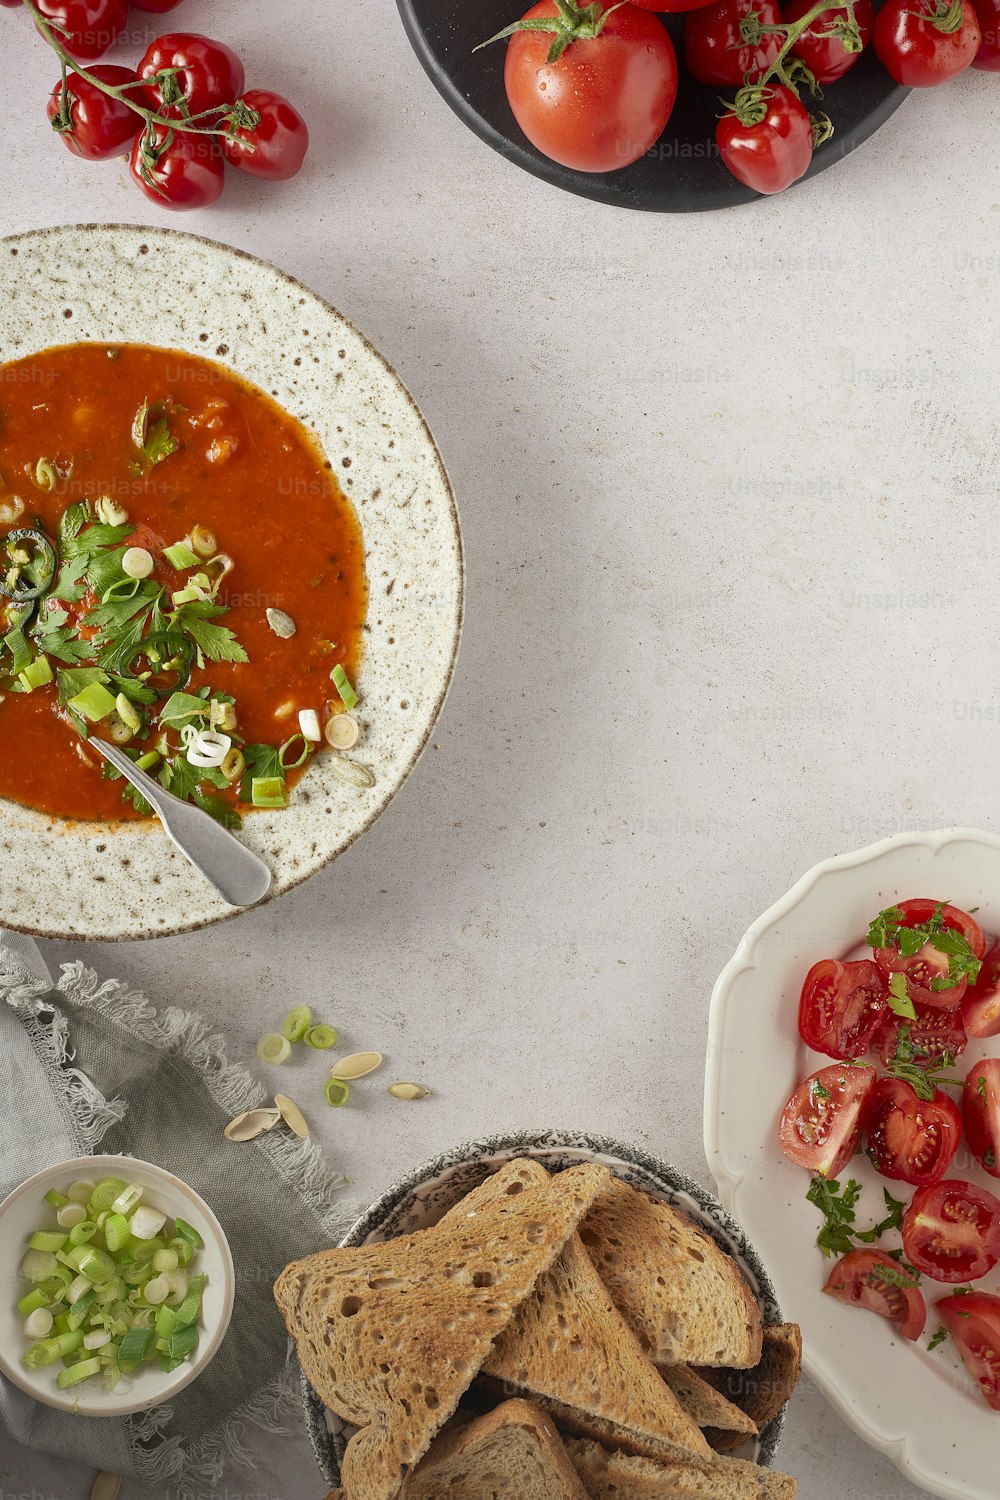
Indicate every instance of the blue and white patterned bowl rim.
{"type": "Point", "coordinates": [424, 1195]}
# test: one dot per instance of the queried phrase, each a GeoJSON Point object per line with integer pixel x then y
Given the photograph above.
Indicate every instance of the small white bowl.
{"type": "Point", "coordinates": [25, 1210]}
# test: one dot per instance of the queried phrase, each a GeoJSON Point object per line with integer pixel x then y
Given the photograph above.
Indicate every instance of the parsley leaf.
{"type": "Point", "coordinates": [899, 998]}
{"type": "Point", "coordinates": [838, 1211]}
{"type": "Point", "coordinates": [937, 1340]}
{"type": "Point", "coordinates": [262, 761]}
{"type": "Point", "coordinates": [216, 642]}
{"type": "Point", "coordinates": [893, 1220]}
{"type": "Point", "coordinates": [895, 1276]}
{"type": "Point", "coordinates": [183, 708]}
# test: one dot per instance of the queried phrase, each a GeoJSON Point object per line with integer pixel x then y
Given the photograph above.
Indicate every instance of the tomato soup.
{"type": "Point", "coordinates": [152, 495]}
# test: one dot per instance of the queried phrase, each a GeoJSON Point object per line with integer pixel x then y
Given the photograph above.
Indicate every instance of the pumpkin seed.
{"type": "Point", "coordinates": [251, 1124]}
{"type": "Point", "coordinates": [283, 625]}
{"type": "Point", "coordinates": [292, 1116]}
{"type": "Point", "coordinates": [106, 1486]}
{"type": "Point", "coordinates": [351, 771]}
{"type": "Point", "coordinates": [358, 1065]}
{"type": "Point", "coordinates": [408, 1091]}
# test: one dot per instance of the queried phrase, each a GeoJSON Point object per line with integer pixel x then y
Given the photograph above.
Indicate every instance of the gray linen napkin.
{"type": "Point", "coordinates": [89, 1064]}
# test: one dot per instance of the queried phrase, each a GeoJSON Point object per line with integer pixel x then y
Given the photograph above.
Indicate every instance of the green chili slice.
{"type": "Point", "coordinates": [30, 563]}
{"type": "Point", "coordinates": [171, 651]}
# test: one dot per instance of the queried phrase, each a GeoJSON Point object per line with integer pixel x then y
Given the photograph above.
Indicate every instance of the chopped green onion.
{"type": "Point", "coordinates": [127, 712]}
{"type": "Point", "coordinates": [182, 1342]}
{"type": "Point", "coordinates": [38, 1265]}
{"type": "Point", "coordinates": [272, 1049]}
{"type": "Point", "coordinates": [127, 1199]}
{"type": "Point", "coordinates": [36, 675]}
{"type": "Point", "coordinates": [185, 1252]}
{"type": "Point", "coordinates": [187, 596]}
{"type": "Point", "coordinates": [190, 1308]}
{"type": "Point", "coordinates": [81, 1191]}
{"type": "Point", "coordinates": [33, 1301]}
{"type": "Point", "coordinates": [268, 791]}
{"type": "Point", "coordinates": [135, 1347]}
{"type": "Point", "coordinates": [293, 765]}
{"type": "Point", "coordinates": [81, 1310]}
{"type": "Point", "coordinates": [297, 1023]}
{"type": "Point", "coordinates": [116, 1232]}
{"type": "Point", "coordinates": [49, 1350]}
{"type": "Point", "coordinates": [78, 1287]}
{"type": "Point", "coordinates": [70, 1215]}
{"type": "Point", "coordinates": [203, 541]}
{"type": "Point", "coordinates": [180, 557]}
{"type": "Point", "coordinates": [149, 761]}
{"type": "Point", "coordinates": [321, 1037]}
{"type": "Point", "coordinates": [55, 1200]}
{"type": "Point", "coordinates": [165, 1260]}
{"type": "Point", "coordinates": [339, 679]}
{"type": "Point", "coordinates": [137, 562]}
{"type": "Point", "coordinates": [105, 1193]}
{"type": "Point", "coordinates": [78, 1372]}
{"type": "Point", "coordinates": [337, 1092]}
{"type": "Point", "coordinates": [96, 1264]}
{"type": "Point", "coordinates": [83, 1232]}
{"type": "Point", "coordinates": [94, 703]}
{"type": "Point", "coordinates": [44, 1240]}
{"type": "Point", "coordinates": [39, 1324]}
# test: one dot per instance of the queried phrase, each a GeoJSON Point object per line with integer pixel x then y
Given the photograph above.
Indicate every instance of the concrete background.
{"type": "Point", "coordinates": [728, 489]}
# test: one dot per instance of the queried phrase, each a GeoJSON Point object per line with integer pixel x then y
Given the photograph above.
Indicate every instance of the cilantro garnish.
{"type": "Point", "coordinates": [922, 1069]}
{"type": "Point", "coordinates": [887, 930]}
{"type": "Point", "coordinates": [215, 642]}
{"type": "Point", "coordinates": [838, 1234]}
{"type": "Point", "coordinates": [899, 998]}
{"type": "Point", "coordinates": [893, 1220]}
{"type": "Point", "coordinates": [937, 1339]}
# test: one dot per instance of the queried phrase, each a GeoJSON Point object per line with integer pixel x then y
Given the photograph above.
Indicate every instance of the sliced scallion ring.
{"type": "Point", "coordinates": [297, 1023]}
{"type": "Point", "coordinates": [320, 1037]}
{"type": "Point", "coordinates": [336, 1092]}
{"type": "Point", "coordinates": [274, 1049]}
{"type": "Point", "coordinates": [285, 752]}
{"type": "Point", "coordinates": [339, 679]}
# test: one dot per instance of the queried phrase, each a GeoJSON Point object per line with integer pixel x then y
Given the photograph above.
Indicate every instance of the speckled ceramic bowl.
{"type": "Point", "coordinates": [424, 1196]}
{"type": "Point", "coordinates": [154, 286]}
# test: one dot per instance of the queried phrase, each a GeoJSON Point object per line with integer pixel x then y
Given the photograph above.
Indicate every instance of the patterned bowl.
{"type": "Point", "coordinates": [125, 284]}
{"type": "Point", "coordinates": [425, 1195]}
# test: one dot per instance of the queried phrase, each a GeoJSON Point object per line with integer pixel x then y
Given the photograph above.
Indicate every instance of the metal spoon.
{"type": "Point", "coordinates": [240, 876]}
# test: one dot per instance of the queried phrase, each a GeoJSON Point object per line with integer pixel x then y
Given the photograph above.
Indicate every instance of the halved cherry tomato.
{"type": "Point", "coordinates": [910, 1139]}
{"type": "Point", "coordinates": [842, 1007]}
{"type": "Point", "coordinates": [774, 153]}
{"type": "Point", "coordinates": [951, 1231]}
{"type": "Point", "coordinates": [276, 148]}
{"type": "Point", "coordinates": [929, 963]}
{"type": "Point", "coordinates": [981, 1004]}
{"type": "Point", "coordinates": [930, 1036]}
{"type": "Point", "coordinates": [974, 1323]}
{"type": "Point", "coordinates": [873, 1280]}
{"type": "Point", "coordinates": [86, 28]}
{"type": "Point", "coordinates": [981, 1109]}
{"type": "Point", "coordinates": [605, 101]}
{"type": "Point", "coordinates": [988, 56]}
{"type": "Point", "coordinates": [821, 48]}
{"type": "Point", "coordinates": [102, 127]}
{"type": "Point", "coordinates": [821, 1123]}
{"type": "Point", "coordinates": [206, 73]}
{"type": "Point", "coordinates": [715, 47]}
{"type": "Point", "coordinates": [188, 172]}
{"type": "Point", "coordinates": [918, 44]}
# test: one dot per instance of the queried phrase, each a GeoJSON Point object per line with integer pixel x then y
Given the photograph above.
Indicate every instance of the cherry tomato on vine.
{"type": "Point", "coordinates": [981, 1002]}
{"type": "Point", "coordinates": [821, 48]}
{"type": "Point", "coordinates": [922, 43]}
{"type": "Point", "coordinates": [842, 1007]}
{"type": "Point", "coordinates": [101, 127]}
{"type": "Point", "coordinates": [929, 965]}
{"type": "Point", "coordinates": [873, 1280]}
{"type": "Point", "coordinates": [276, 148]}
{"type": "Point", "coordinates": [988, 56]}
{"type": "Point", "coordinates": [207, 73]}
{"type": "Point", "coordinates": [909, 1139]}
{"type": "Point", "coordinates": [87, 27]}
{"type": "Point", "coordinates": [774, 153]}
{"type": "Point", "coordinates": [185, 172]}
{"type": "Point", "coordinates": [821, 1123]}
{"type": "Point", "coordinates": [605, 100]}
{"type": "Point", "coordinates": [973, 1320]}
{"type": "Point", "coordinates": [724, 43]}
{"type": "Point", "coordinates": [981, 1109]}
{"type": "Point", "coordinates": [951, 1231]}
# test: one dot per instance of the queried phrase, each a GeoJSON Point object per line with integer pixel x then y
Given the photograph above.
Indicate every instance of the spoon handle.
{"type": "Point", "coordinates": [240, 876]}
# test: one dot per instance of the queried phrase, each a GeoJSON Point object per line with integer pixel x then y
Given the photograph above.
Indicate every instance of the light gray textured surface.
{"type": "Point", "coordinates": [729, 496]}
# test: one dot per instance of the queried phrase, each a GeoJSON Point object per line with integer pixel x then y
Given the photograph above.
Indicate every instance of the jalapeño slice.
{"type": "Point", "coordinates": [169, 657]}
{"type": "Point", "coordinates": [28, 561]}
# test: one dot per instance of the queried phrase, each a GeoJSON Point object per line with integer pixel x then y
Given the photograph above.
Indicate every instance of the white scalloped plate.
{"type": "Point", "coordinates": [920, 1409]}
{"type": "Point", "coordinates": [125, 284]}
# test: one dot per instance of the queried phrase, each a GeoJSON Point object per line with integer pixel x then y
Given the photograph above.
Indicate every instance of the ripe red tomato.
{"type": "Point", "coordinates": [974, 1323]}
{"type": "Point", "coordinates": [89, 27]}
{"type": "Point", "coordinates": [988, 56]}
{"type": "Point", "coordinates": [929, 963]}
{"type": "Point", "coordinates": [909, 1139]}
{"type": "Point", "coordinates": [772, 155]}
{"type": "Point", "coordinates": [911, 43]}
{"type": "Point", "coordinates": [951, 1231]}
{"type": "Point", "coordinates": [821, 48]}
{"type": "Point", "coordinates": [715, 47]}
{"type": "Point", "coordinates": [841, 1007]}
{"type": "Point", "coordinates": [102, 127]}
{"type": "Point", "coordinates": [821, 1123]}
{"type": "Point", "coordinates": [981, 1110]}
{"type": "Point", "coordinates": [933, 1034]}
{"type": "Point", "coordinates": [276, 148]}
{"type": "Point", "coordinates": [605, 101]}
{"type": "Point", "coordinates": [188, 171]}
{"type": "Point", "coordinates": [981, 1005]}
{"type": "Point", "coordinates": [871, 1279]}
{"type": "Point", "coordinates": [208, 73]}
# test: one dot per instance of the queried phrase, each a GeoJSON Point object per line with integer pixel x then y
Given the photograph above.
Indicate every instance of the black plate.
{"type": "Point", "coordinates": [682, 173]}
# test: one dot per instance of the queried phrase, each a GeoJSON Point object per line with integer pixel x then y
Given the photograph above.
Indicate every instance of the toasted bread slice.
{"type": "Point", "coordinates": [513, 1453]}
{"type": "Point", "coordinates": [705, 1405]}
{"type": "Point", "coordinates": [572, 1421]}
{"type": "Point", "coordinates": [685, 1299]}
{"type": "Point", "coordinates": [617, 1476]}
{"type": "Point", "coordinates": [392, 1335]}
{"type": "Point", "coordinates": [568, 1343]}
{"type": "Point", "coordinates": [762, 1391]}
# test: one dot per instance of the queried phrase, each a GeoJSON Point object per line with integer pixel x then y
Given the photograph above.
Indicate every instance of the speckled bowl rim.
{"type": "Point", "coordinates": [280, 887]}
{"type": "Point", "coordinates": [328, 1446]}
